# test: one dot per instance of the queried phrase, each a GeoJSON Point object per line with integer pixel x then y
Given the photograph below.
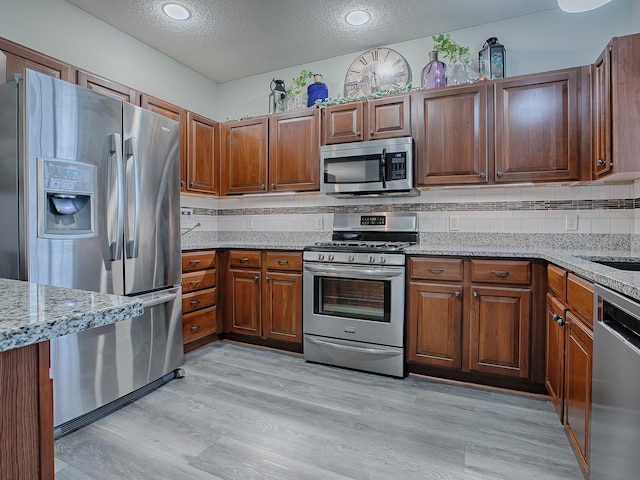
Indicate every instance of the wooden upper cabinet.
{"type": "Point", "coordinates": [388, 117]}
{"type": "Point", "coordinates": [616, 110]}
{"type": "Point", "coordinates": [107, 87]}
{"type": "Point", "coordinates": [19, 58]}
{"type": "Point", "coordinates": [246, 154]}
{"type": "Point", "coordinates": [538, 127]}
{"type": "Point", "coordinates": [343, 123]}
{"type": "Point", "coordinates": [294, 151]}
{"type": "Point", "coordinates": [452, 136]}
{"type": "Point", "coordinates": [203, 154]}
{"type": "Point", "coordinates": [179, 115]}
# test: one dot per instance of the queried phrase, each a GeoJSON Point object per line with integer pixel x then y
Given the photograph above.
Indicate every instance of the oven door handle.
{"type": "Point", "coordinates": [349, 348]}
{"type": "Point", "coordinates": [330, 271]}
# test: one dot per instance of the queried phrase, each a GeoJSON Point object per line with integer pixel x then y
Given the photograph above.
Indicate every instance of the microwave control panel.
{"type": "Point", "coordinates": [397, 165]}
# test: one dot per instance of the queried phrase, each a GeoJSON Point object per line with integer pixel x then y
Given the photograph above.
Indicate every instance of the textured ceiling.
{"type": "Point", "coordinates": [230, 39]}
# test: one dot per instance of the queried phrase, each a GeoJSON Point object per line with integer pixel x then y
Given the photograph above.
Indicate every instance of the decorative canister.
{"type": "Point", "coordinates": [316, 91]}
{"type": "Point", "coordinates": [433, 73]}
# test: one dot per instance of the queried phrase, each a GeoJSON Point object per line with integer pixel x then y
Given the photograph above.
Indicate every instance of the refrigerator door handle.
{"type": "Point", "coordinates": [115, 152]}
{"type": "Point", "coordinates": [131, 150]}
{"type": "Point", "coordinates": [157, 298]}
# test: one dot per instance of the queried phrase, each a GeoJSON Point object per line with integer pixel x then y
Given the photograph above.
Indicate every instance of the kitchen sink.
{"type": "Point", "coordinates": [632, 266]}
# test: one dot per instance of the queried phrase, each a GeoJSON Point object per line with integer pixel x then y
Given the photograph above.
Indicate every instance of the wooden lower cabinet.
{"type": "Point", "coordinates": [475, 320]}
{"type": "Point", "coordinates": [199, 298]}
{"type": "Point", "coordinates": [263, 297]}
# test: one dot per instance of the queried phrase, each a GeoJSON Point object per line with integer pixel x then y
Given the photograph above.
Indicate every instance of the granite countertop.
{"type": "Point", "coordinates": [31, 313]}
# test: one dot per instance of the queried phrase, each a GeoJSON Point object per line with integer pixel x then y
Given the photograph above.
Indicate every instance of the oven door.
{"type": "Point", "coordinates": [354, 302]}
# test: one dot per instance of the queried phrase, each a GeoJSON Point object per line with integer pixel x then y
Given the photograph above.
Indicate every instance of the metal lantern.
{"type": "Point", "coordinates": [491, 59]}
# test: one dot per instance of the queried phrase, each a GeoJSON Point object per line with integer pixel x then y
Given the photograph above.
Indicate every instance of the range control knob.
{"type": "Point", "coordinates": [382, 259]}
{"type": "Point", "coordinates": [321, 256]}
{"type": "Point", "coordinates": [351, 257]}
{"type": "Point", "coordinates": [330, 257]}
{"type": "Point", "coordinates": [372, 259]}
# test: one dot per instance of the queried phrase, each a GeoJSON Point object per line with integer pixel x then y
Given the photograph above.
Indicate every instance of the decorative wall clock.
{"type": "Point", "coordinates": [376, 69]}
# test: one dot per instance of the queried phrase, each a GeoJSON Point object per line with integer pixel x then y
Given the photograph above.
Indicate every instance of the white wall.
{"type": "Point", "coordinates": [63, 31]}
{"type": "Point", "coordinates": [540, 42]}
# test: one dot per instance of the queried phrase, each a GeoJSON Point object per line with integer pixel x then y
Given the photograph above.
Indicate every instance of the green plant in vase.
{"type": "Point", "coordinates": [459, 59]}
{"type": "Point", "coordinates": [296, 91]}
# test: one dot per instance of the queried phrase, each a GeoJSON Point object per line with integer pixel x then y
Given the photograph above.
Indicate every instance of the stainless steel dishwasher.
{"type": "Point", "coordinates": [615, 414]}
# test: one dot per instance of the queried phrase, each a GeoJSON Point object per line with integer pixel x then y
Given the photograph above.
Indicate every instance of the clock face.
{"type": "Point", "coordinates": [374, 70]}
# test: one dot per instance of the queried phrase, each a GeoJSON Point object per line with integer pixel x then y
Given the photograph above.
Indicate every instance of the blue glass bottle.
{"type": "Point", "coordinates": [433, 73]}
{"type": "Point", "coordinates": [316, 91]}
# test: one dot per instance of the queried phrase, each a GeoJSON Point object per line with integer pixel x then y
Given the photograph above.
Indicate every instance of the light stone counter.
{"type": "Point", "coordinates": [31, 313]}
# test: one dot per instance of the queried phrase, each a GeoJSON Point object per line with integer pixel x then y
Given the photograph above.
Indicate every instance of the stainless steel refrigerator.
{"type": "Point", "coordinates": [90, 195]}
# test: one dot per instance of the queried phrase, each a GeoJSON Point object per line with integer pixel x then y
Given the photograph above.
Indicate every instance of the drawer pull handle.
{"type": "Point", "coordinates": [195, 328]}
{"type": "Point", "coordinates": [500, 273]}
{"type": "Point", "coordinates": [194, 282]}
{"type": "Point", "coordinates": [194, 261]}
{"type": "Point", "coordinates": [243, 259]}
{"type": "Point", "coordinates": [283, 262]}
{"type": "Point", "coordinates": [195, 302]}
{"type": "Point", "coordinates": [435, 270]}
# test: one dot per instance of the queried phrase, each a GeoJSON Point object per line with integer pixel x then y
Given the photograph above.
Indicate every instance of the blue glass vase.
{"type": "Point", "coordinates": [316, 91]}
{"type": "Point", "coordinates": [434, 72]}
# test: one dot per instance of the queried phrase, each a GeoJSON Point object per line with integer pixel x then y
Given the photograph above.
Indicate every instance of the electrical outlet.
{"type": "Point", "coordinates": [571, 221]}
{"type": "Point", "coordinates": [454, 223]}
{"type": "Point", "coordinates": [249, 223]}
{"type": "Point", "coordinates": [319, 223]}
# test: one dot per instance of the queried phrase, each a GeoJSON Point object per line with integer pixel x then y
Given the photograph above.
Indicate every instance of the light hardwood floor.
{"type": "Point", "coordinates": [245, 412]}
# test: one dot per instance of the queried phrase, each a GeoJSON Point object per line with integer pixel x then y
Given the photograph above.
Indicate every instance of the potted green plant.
{"type": "Point", "coordinates": [296, 91]}
{"type": "Point", "coordinates": [458, 56]}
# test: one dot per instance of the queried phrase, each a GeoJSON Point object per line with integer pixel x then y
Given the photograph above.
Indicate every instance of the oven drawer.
{"type": "Point", "coordinates": [501, 271]}
{"type": "Point", "coordinates": [198, 280]}
{"type": "Point", "coordinates": [290, 261]}
{"type": "Point", "coordinates": [245, 259]}
{"type": "Point", "coordinates": [444, 269]}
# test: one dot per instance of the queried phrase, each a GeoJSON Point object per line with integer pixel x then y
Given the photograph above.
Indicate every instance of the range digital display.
{"type": "Point", "coordinates": [369, 220]}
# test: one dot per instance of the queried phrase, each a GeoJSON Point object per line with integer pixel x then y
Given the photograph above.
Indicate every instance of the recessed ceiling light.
{"type": "Point", "coordinates": [357, 17]}
{"type": "Point", "coordinates": [175, 11]}
{"type": "Point", "coordinates": [578, 6]}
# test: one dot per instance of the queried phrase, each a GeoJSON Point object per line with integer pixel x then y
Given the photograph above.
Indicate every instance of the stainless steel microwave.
{"type": "Point", "coordinates": [376, 167]}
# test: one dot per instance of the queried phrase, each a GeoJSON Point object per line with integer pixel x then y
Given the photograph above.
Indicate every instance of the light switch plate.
{"type": "Point", "coordinates": [454, 223]}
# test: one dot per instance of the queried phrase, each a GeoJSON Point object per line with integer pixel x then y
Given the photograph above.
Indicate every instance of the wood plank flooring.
{"type": "Point", "coordinates": [244, 412]}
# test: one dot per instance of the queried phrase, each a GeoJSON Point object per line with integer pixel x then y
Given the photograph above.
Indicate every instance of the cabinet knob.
{"type": "Point", "coordinates": [358, 134]}
{"type": "Point", "coordinates": [600, 162]}
{"type": "Point", "coordinates": [266, 278]}
{"type": "Point", "coordinates": [191, 184]}
{"type": "Point", "coordinates": [558, 319]}
{"type": "Point", "coordinates": [181, 183]}
{"type": "Point", "coordinates": [371, 132]}
{"type": "Point", "coordinates": [256, 278]}
{"type": "Point", "coordinates": [273, 186]}
{"type": "Point", "coordinates": [475, 294]}
{"type": "Point", "coordinates": [262, 186]}
{"type": "Point", "coordinates": [457, 293]}
{"type": "Point", "coordinates": [499, 173]}
{"type": "Point", "coordinates": [195, 328]}
{"type": "Point", "coordinates": [483, 175]}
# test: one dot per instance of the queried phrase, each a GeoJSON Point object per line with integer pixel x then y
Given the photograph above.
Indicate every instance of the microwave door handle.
{"type": "Point", "coordinates": [383, 167]}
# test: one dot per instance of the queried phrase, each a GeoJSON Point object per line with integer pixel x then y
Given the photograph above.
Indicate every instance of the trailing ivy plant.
{"type": "Point", "coordinates": [452, 50]}
{"type": "Point", "coordinates": [340, 99]}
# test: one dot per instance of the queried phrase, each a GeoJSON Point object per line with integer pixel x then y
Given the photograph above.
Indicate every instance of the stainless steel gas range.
{"type": "Point", "coordinates": [354, 293]}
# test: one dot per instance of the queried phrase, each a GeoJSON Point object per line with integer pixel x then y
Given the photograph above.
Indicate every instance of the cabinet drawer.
{"type": "Point", "coordinates": [198, 324]}
{"type": "Point", "coordinates": [197, 300]}
{"type": "Point", "coordinates": [198, 280]}
{"type": "Point", "coordinates": [557, 281]}
{"type": "Point", "coordinates": [436, 268]}
{"type": "Point", "coordinates": [501, 271]}
{"type": "Point", "coordinates": [284, 261]}
{"type": "Point", "coordinates": [198, 260]}
{"type": "Point", "coordinates": [245, 259]}
{"type": "Point", "coordinates": [580, 297]}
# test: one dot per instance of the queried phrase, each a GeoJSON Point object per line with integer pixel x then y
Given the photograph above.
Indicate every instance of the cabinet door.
{"type": "Point", "coordinates": [174, 113]}
{"type": "Point", "coordinates": [294, 150]}
{"type": "Point", "coordinates": [107, 87]}
{"type": "Point", "coordinates": [452, 136]}
{"type": "Point", "coordinates": [537, 127]}
{"type": "Point", "coordinates": [388, 117]}
{"type": "Point", "coordinates": [554, 372]}
{"type": "Point", "coordinates": [435, 324]}
{"type": "Point", "coordinates": [283, 306]}
{"type": "Point", "coordinates": [19, 58]}
{"type": "Point", "coordinates": [499, 335]}
{"type": "Point", "coordinates": [577, 397]}
{"type": "Point", "coordinates": [244, 164]}
{"type": "Point", "coordinates": [244, 295]}
{"type": "Point", "coordinates": [343, 123]}
{"type": "Point", "coordinates": [601, 101]}
{"type": "Point", "coordinates": [203, 154]}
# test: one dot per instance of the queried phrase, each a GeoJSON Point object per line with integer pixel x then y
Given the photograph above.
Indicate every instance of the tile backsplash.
{"type": "Point", "coordinates": [600, 209]}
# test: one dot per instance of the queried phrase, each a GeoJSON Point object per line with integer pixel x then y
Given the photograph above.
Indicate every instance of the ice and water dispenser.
{"type": "Point", "coordinates": [66, 203]}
